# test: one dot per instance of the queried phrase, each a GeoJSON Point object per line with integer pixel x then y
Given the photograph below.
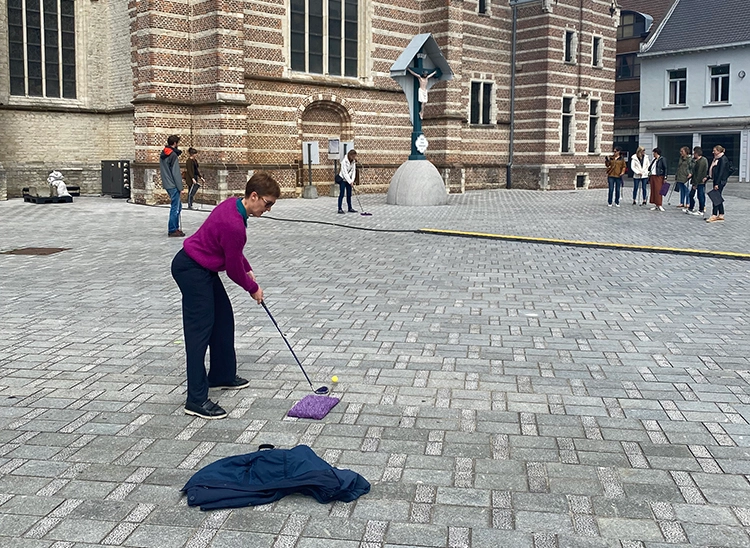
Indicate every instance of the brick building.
{"type": "Point", "coordinates": [246, 82]}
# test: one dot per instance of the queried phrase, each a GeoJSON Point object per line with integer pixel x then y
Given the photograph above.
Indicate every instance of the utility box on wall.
{"type": "Point", "coordinates": [116, 178]}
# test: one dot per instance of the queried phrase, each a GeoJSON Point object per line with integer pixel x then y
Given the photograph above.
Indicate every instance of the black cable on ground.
{"type": "Point", "coordinates": [328, 223]}
{"type": "Point", "coordinates": [731, 255]}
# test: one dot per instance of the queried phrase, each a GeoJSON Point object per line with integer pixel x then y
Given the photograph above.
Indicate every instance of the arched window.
{"type": "Point", "coordinates": [324, 36]}
{"type": "Point", "coordinates": [42, 53]}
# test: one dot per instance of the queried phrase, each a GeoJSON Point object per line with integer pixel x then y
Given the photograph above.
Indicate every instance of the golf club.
{"type": "Point", "coordinates": [322, 389]}
{"type": "Point", "coordinates": [362, 211]}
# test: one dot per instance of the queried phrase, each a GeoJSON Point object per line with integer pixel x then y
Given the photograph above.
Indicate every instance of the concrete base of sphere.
{"type": "Point", "coordinates": [417, 183]}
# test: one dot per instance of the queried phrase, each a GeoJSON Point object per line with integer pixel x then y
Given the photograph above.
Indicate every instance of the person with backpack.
{"type": "Point", "coordinates": [171, 181]}
{"type": "Point", "coordinates": [657, 173]}
{"type": "Point", "coordinates": [718, 174]}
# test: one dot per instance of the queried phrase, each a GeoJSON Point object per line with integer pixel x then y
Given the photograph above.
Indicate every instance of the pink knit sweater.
{"type": "Point", "coordinates": [218, 244]}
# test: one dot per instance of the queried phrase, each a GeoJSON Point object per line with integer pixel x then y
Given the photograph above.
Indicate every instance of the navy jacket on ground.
{"type": "Point", "coordinates": [266, 476]}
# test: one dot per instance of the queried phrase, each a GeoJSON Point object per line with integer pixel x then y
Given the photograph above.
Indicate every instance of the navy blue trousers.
{"type": "Point", "coordinates": [208, 322]}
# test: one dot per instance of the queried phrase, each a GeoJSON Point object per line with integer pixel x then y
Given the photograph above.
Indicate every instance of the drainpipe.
{"type": "Point", "coordinates": [509, 168]}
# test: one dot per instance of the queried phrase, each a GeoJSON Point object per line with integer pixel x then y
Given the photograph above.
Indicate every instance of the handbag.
{"type": "Point", "coordinates": [716, 197]}
{"type": "Point", "coordinates": [664, 188]}
{"type": "Point", "coordinates": [338, 179]}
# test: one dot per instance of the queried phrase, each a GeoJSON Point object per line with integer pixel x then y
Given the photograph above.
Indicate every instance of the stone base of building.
{"type": "Point", "coordinates": [15, 177]}
{"type": "Point", "coordinates": [558, 178]}
{"type": "Point", "coordinates": [229, 180]}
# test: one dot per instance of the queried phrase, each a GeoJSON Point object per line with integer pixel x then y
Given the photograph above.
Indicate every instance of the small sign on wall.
{"type": "Point", "coordinates": [310, 153]}
{"type": "Point", "coordinates": [333, 149]}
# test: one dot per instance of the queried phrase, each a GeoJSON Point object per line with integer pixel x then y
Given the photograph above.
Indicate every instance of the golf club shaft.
{"type": "Point", "coordinates": [289, 346]}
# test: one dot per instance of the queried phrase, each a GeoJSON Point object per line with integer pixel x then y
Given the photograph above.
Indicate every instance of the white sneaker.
{"type": "Point", "coordinates": [653, 208]}
{"type": "Point", "coordinates": [697, 213]}
{"type": "Point", "coordinates": [661, 208]}
{"type": "Point", "coordinates": [688, 212]}
{"type": "Point", "coordinates": [617, 205]}
{"type": "Point", "coordinates": [609, 205]}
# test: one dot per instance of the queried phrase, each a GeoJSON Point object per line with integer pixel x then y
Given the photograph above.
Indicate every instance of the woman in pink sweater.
{"type": "Point", "coordinates": [207, 316]}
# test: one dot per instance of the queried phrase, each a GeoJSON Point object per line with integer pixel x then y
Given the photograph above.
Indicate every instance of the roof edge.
{"type": "Point", "coordinates": [650, 42]}
{"type": "Point", "coordinates": [693, 50]}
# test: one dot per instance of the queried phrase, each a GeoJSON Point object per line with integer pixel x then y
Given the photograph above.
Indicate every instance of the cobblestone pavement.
{"type": "Point", "coordinates": [494, 393]}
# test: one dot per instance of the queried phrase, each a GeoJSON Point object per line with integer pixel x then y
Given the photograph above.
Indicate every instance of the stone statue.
{"type": "Point", "coordinates": [56, 181]}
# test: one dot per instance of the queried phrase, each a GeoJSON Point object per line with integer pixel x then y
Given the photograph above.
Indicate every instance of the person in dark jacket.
{"type": "Point", "coordinates": [657, 173]}
{"type": "Point", "coordinates": [718, 174]}
{"type": "Point", "coordinates": [171, 180]}
{"type": "Point", "coordinates": [698, 174]}
{"type": "Point", "coordinates": [194, 177]}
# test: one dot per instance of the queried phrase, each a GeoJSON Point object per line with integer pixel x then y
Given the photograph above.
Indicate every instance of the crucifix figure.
{"type": "Point", "coordinates": [423, 81]}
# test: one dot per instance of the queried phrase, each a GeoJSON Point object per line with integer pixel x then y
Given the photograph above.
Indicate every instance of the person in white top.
{"type": "Point", "coordinates": [346, 178]}
{"type": "Point", "coordinates": [639, 167]}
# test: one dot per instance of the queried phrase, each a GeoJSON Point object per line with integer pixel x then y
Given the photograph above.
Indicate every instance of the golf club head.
{"type": "Point", "coordinates": [366, 214]}
{"type": "Point", "coordinates": [322, 390]}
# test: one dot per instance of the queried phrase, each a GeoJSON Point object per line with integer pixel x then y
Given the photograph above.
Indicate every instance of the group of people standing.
{"type": "Point", "coordinates": [693, 173]}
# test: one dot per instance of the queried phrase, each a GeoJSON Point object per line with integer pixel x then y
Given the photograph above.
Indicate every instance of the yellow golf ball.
{"type": "Point", "coordinates": [334, 379]}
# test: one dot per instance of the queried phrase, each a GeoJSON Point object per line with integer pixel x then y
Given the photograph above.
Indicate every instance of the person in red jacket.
{"type": "Point", "coordinates": [207, 316]}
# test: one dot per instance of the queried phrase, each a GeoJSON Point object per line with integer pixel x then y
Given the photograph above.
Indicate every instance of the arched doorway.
{"type": "Point", "coordinates": [321, 119]}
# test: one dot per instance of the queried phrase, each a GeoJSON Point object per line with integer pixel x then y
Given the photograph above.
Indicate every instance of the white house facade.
{"type": "Point", "coordinates": [695, 85]}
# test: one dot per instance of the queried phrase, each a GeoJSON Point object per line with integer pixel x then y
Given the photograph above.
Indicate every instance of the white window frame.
{"type": "Point", "coordinates": [723, 80]}
{"type": "Point", "coordinates": [597, 54]}
{"type": "Point", "coordinates": [326, 69]}
{"type": "Point", "coordinates": [677, 82]}
{"type": "Point", "coordinates": [597, 119]}
{"type": "Point", "coordinates": [571, 127]}
{"type": "Point", "coordinates": [482, 83]}
{"type": "Point", "coordinates": [43, 52]}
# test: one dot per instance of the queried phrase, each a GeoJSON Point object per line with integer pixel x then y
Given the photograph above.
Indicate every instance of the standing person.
{"type": "Point", "coordinates": [207, 317]}
{"type": "Point", "coordinates": [718, 174]}
{"type": "Point", "coordinates": [682, 176]}
{"type": "Point", "coordinates": [194, 177]}
{"type": "Point", "coordinates": [346, 178]}
{"type": "Point", "coordinates": [698, 175]}
{"type": "Point", "coordinates": [422, 93]}
{"type": "Point", "coordinates": [639, 167]}
{"type": "Point", "coordinates": [616, 168]}
{"type": "Point", "coordinates": [171, 180]}
{"type": "Point", "coordinates": [657, 173]}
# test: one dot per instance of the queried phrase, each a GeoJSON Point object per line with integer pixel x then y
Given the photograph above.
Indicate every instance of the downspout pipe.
{"type": "Point", "coordinates": [509, 168]}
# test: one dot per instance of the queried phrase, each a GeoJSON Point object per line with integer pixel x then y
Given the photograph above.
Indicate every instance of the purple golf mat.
{"type": "Point", "coordinates": [313, 407]}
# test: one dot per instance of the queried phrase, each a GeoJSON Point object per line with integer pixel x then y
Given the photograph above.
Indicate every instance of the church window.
{"type": "Point", "coordinates": [324, 36]}
{"type": "Point", "coordinates": [481, 103]}
{"type": "Point", "coordinates": [41, 40]}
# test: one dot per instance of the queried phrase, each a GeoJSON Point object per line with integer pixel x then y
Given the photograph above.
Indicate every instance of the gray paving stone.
{"type": "Point", "coordinates": [81, 530]}
{"type": "Point", "coordinates": [543, 372]}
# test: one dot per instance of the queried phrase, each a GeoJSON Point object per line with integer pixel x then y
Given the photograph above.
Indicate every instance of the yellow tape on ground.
{"type": "Point", "coordinates": [581, 243]}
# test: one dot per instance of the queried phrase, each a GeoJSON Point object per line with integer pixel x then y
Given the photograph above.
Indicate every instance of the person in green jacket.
{"type": "Point", "coordinates": [682, 175]}
{"type": "Point", "coordinates": [698, 175]}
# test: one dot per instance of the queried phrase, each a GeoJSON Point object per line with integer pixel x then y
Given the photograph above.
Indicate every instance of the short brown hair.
{"type": "Point", "coordinates": [698, 150]}
{"type": "Point", "coordinates": [351, 154]}
{"type": "Point", "coordinates": [263, 185]}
